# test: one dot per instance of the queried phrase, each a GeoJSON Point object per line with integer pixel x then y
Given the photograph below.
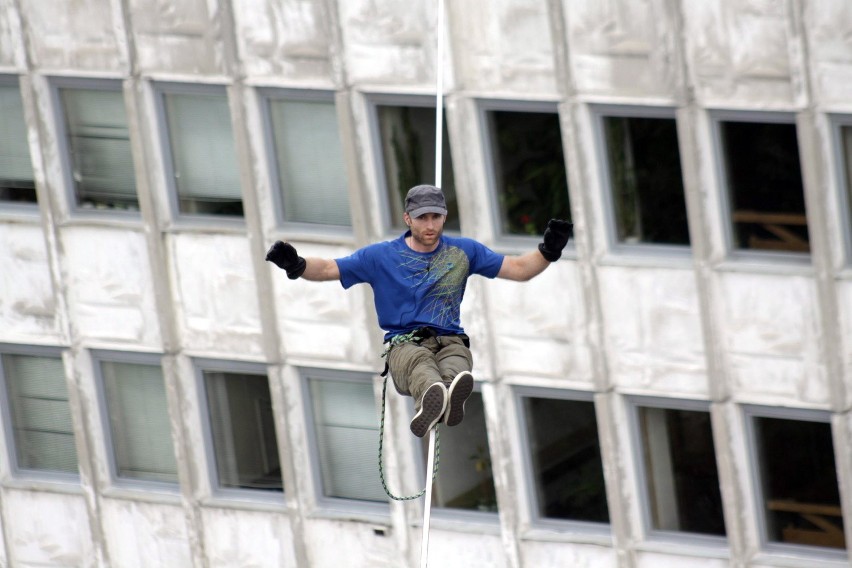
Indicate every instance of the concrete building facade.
{"type": "Point", "coordinates": [658, 397]}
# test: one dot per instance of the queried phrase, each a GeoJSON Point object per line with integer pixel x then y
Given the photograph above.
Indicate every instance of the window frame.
{"type": "Point", "coordinates": [716, 118]}
{"type": "Point", "coordinates": [29, 209]}
{"type": "Point", "coordinates": [265, 97]}
{"type": "Point", "coordinates": [837, 123]}
{"type": "Point", "coordinates": [134, 358]}
{"type": "Point", "coordinates": [373, 101]}
{"type": "Point", "coordinates": [371, 510]}
{"type": "Point", "coordinates": [537, 520]}
{"type": "Point", "coordinates": [634, 403]}
{"type": "Point", "coordinates": [486, 141]}
{"type": "Point", "coordinates": [6, 420]}
{"type": "Point", "coordinates": [160, 90]}
{"type": "Point", "coordinates": [751, 412]}
{"type": "Point", "coordinates": [599, 112]}
{"type": "Point", "coordinates": [200, 366]}
{"type": "Point", "coordinates": [57, 84]}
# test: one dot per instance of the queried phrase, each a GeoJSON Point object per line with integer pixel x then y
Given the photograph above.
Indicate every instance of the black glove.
{"type": "Point", "coordinates": [555, 238]}
{"type": "Point", "coordinates": [285, 256]}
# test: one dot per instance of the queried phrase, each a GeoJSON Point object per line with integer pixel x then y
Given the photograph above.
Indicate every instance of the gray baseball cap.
{"type": "Point", "coordinates": [423, 199]}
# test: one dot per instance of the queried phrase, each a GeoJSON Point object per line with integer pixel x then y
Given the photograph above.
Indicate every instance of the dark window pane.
{"type": "Point", "coordinates": [529, 170]}
{"type": "Point", "coordinates": [799, 479]}
{"type": "Point", "coordinates": [765, 186]}
{"type": "Point", "coordinates": [646, 180]}
{"type": "Point", "coordinates": [408, 151]}
{"type": "Point", "coordinates": [243, 429]}
{"type": "Point", "coordinates": [464, 478]}
{"type": "Point", "coordinates": [204, 159]}
{"type": "Point", "coordinates": [16, 172]}
{"type": "Point", "coordinates": [566, 459]}
{"type": "Point", "coordinates": [846, 136]}
{"type": "Point", "coordinates": [680, 469]}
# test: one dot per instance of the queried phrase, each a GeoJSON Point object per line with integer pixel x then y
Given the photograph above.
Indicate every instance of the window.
{"type": "Point", "coordinates": [846, 160]}
{"type": "Point", "coordinates": [39, 413]}
{"type": "Point", "coordinates": [465, 480]}
{"type": "Point", "coordinates": [17, 183]}
{"type": "Point", "coordinates": [528, 166]}
{"type": "Point", "coordinates": [346, 430]}
{"type": "Point", "coordinates": [645, 182]}
{"type": "Point", "coordinates": [765, 190]}
{"type": "Point", "coordinates": [203, 159]}
{"type": "Point", "coordinates": [679, 469]}
{"type": "Point", "coordinates": [798, 491]}
{"type": "Point", "coordinates": [100, 163]}
{"type": "Point", "coordinates": [139, 426]}
{"type": "Point", "coordinates": [310, 169]}
{"type": "Point", "coordinates": [407, 136]}
{"type": "Point", "coordinates": [242, 428]}
{"type": "Point", "coordinates": [565, 459]}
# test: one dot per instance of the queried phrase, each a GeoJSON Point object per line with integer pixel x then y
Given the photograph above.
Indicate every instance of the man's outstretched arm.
{"type": "Point", "coordinates": [284, 255]}
{"type": "Point", "coordinates": [531, 264]}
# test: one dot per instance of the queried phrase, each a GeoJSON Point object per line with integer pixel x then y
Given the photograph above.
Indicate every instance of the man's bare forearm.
{"type": "Point", "coordinates": [321, 270]}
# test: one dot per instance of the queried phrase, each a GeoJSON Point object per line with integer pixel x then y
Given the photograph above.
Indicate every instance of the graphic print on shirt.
{"type": "Point", "coordinates": [443, 275]}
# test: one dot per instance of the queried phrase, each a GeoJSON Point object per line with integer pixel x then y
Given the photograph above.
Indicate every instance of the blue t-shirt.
{"type": "Point", "coordinates": [415, 289]}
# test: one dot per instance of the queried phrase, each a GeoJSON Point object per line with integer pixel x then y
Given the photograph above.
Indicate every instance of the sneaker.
{"type": "Point", "coordinates": [459, 390]}
{"type": "Point", "coordinates": [432, 407]}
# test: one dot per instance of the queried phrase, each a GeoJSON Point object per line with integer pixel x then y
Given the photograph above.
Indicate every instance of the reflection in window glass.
{"type": "Point", "coordinates": [40, 413]}
{"type": "Point", "coordinates": [204, 158]}
{"type": "Point", "coordinates": [243, 431]}
{"type": "Point", "coordinates": [347, 431]}
{"type": "Point", "coordinates": [408, 151]}
{"type": "Point", "coordinates": [529, 170]}
{"type": "Point", "coordinates": [464, 478]}
{"type": "Point", "coordinates": [17, 183]}
{"type": "Point", "coordinates": [680, 469]}
{"type": "Point", "coordinates": [799, 482]}
{"type": "Point", "coordinates": [566, 459]}
{"type": "Point", "coordinates": [99, 146]}
{"type": "Point", "coordinates": [765, 186]}
{"type": "Point", "coordinates": [646, 181]}
{"type": "Point", "coordinates": [309, 156]}
{"type": "Point", "coordinates": [139, 423]}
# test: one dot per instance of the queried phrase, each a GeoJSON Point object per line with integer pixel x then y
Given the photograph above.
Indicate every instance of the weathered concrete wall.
{"type": "Point", "coordinates": [695, 326]}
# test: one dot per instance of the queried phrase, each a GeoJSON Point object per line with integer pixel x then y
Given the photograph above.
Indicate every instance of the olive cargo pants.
{"type": "Point", "coordinates": [415, 366]}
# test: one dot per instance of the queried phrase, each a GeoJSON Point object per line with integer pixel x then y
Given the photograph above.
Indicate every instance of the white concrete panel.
{"type": "Point", "coordinates": [49, 529]}
{"type": "Point", "coordinates": [622, 48]}
{"type": "Point", "coordinates": [542, 553]}
{"type": "Point", "coordinates": [27, 306]}
{"type": "Point", "coordinates": [286, 38]}
{"type": "Point", "coordinates": [539, 326]}
{"type": "Point", "coordinates": [145, 535]}
{"type": "Point", "coordinates": [177, 37]}
{"type": "Point", "coordinates": [249, 539]}
{"type": "Point", "coordinates": [110, 294]}
{"type": "Point", "coordinates": [844, 302]}
{"type": "Point", "coordinates": [332, 544]}
{"type": "Point", "coordinates": [653, 330]}
{"type": "Point", "coordinates": [321, 320]}
{"type": "Point", "coordinates": [507, 48]}
{"type": "Point", "coordinates": [771, 335]}
{"type": "Point", "coordinates": [391, 42]}
{"type": "Point", "coordinates": [827, 24]}
{"type": "Point", "coordinates": [75, 34]}
{"type": "Point", "coordinates": [656, 560]}
{"type": "Point", "coordinates": [738, 52]}
{"type": "Point", "coordinates": [216, 292]}
{"type": "Point", "coordinates": [11, 52]}
{"type": "Point", "coordinates": [457, 549]}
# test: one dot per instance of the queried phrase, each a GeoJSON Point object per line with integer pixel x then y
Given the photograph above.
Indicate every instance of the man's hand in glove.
{"type": "Point", "coordinates": [286, 257]}
{"type": "Point", "coordinates": [556, 236]}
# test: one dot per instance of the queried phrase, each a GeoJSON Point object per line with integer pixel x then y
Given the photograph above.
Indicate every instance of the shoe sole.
{"type": "Point", "coordinates": [459, 391]}
{"type": "Point", "coordinates": [432, 408]}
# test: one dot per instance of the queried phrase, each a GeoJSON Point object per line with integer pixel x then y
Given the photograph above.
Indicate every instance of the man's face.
{"type": "Point", "coordinates": [426, 230]}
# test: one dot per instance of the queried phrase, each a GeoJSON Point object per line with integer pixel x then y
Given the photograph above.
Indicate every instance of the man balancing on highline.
{"type": "Point", "coordinates": [418, 282]}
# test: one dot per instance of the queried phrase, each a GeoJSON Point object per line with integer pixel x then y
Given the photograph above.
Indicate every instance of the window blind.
{"type": "Point", "coordinates": [309, 156]}
{"type": "Point", "coordinates": [41, 416]}
{"type": "Point", "coordinates": [139, 421]}
{"type": "Point", "coordinates": [347, 432]}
